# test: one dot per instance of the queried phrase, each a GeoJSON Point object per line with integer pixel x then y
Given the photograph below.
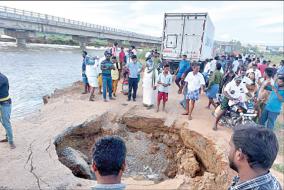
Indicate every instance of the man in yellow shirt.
{"type": "Point", "coordinates": [115, 75]}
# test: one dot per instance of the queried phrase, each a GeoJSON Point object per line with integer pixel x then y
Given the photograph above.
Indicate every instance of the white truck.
{"type": "Point", "coordinates": [188, 34]}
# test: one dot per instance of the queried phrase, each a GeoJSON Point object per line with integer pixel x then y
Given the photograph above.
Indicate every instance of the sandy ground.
{"type": "Point", "coordinates": [34, 163]}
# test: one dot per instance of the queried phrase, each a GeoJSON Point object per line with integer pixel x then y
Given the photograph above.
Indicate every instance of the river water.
{"type": "Point", "coordinates": [38, 70]}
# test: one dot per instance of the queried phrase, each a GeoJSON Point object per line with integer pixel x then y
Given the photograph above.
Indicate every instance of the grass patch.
{"type": "Point", "coordinates": [279, 131]}
{"type": "Point", "coordinates": [278, 167]}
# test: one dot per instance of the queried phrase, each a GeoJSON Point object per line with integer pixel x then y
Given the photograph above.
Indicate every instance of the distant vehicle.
{"type": "Point", "coordinates": [187, 33]}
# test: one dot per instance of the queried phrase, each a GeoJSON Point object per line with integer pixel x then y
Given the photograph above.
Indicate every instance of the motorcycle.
{"type": "Point", "coordinates": [238, 113]}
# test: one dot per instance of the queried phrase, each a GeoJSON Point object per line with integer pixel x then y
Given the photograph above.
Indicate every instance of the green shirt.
{"type": "Point", "coordinates": [216, 78]}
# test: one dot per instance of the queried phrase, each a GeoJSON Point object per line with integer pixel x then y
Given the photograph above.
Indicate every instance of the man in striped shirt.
{"type": "Point", "coordinates": [253, 150]}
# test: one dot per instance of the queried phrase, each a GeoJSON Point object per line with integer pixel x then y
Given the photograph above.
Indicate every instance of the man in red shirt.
{"type": "Point", "coordinates": [262, 66]}
{"type": "Point", "coordinates": [121, 60]}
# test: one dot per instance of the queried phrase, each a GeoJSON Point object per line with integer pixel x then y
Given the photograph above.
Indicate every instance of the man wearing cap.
{"type": "Point", "coordinates": [233, 91]}
{"type": "Point", "coordinates": [5, 110]}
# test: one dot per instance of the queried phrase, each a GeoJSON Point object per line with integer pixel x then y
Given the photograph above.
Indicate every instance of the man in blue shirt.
{"type": "Point", "coordinates": [5, 110]}
{"type": "Point", "coordinates": [274, 103]}
{"type": "Point", "coordinates": [106, 67]}
{"type": "Point", "coordinates": [134, 68]}
{"type": "Point", "coordinates": [183, 66]}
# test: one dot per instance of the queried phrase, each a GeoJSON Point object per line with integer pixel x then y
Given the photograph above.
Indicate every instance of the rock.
{"type": "Point", "coordinates": [73, 160]}
{"type": "Point", "coordinates": [171, 170]}
{"type": "Point", "coordinates": [207, 182]}
{"type": "Point", "coordinates": [153, 148]}
{"type": "Point", "coordinates": [188, 164]}
{"type": "Point", "coordinates": [169, 154]}
{"type": "Point", "coordinates": [150, 136]}
{"type": "Point", "coordinates": [175, 137]}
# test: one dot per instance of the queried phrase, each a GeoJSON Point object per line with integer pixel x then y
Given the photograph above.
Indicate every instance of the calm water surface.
{"type": "Point", "coordinates": [37, 70]}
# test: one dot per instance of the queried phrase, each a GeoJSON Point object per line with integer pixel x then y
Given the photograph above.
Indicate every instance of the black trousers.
{"type": "Point", "coordinates": [132, 84]}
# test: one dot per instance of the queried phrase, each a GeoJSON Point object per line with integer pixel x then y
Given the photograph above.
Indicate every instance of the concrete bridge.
{"type": "Point", "coordinates": [22, 25]}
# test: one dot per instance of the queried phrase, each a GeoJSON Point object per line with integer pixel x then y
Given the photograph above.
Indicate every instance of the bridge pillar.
{"type": "Point", "coordinates": [83, 41]}
{"type": "Point", "coordinates": [20, 35]}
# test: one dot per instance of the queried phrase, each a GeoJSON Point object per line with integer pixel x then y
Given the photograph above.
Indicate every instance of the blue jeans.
{"type": "Point", "coordinates": [5, 109]}
{"type": "Point", "coordinates": [269, 118]}
{"type": "Point", "coordinates": [107, 85]}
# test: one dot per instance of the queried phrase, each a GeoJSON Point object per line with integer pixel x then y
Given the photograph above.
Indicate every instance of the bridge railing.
{"type": "Point", "coordinates": [13, 13]}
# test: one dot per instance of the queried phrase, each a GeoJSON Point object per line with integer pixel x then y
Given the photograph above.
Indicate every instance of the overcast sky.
{"type": "Point", "coordinates": [247, 21]}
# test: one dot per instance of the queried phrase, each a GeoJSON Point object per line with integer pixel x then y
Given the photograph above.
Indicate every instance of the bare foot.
{"type": "Point", "coordinates": [189, 117]}
{"type": "Point", "coordinates": [186, 113]}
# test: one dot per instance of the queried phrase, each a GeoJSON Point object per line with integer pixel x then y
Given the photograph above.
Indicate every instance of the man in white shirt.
{"type": "Point", "coordinates": [256, 72]}
{"type": "Point", "coordinates": [164, 81]}
{"type": "Point", "coordinates": [195, 85]}
{"type": "Point", "coordinates": [234, 91]}
{"type": "Point", "coordinates": [235, 65]}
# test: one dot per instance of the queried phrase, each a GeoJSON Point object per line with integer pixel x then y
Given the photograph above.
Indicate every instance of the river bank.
{"type": "Point", "coordinates": [40, 137]}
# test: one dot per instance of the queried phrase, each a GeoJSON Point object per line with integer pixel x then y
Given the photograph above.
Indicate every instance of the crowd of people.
{"type": "Point", "coordinates": [242, 78]}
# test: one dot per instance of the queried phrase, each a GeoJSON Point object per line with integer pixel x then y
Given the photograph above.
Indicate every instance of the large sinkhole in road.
{"type": "Point", "coordinates": [154, 152]}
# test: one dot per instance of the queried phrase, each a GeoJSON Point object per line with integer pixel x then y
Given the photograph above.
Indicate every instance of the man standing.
{"type": "Point", "coordinates": [273, 105]}
{"type": "Point", "coordinates": [235, 65]}
{"type": "Point", "coordinates": [106, 67]}
{"type": "Point", "coordinates": [149, 81]}
{"type": "Point", "coordinates": [263, 94]}
{"type": "Point", "coordinates": [109, 154]}
{"type": "Point", "coordinates": [195, 85]}
{"type": "Point", "coordinates": [164, 81]}
{"type": "Point", "coordinates": [114, 51]}
{"type": "Point", "coordinates": [115, 74]}
{"type": "Point", "coordinates": [133, 50]}
{"type": "Point", "coordinates": [5, 110]}
{"type": "Point", "coordinates": [92, 73]}
{"type": "Point", "coordinates": [183, 66]}
{"type": "Point", "coordinates": [253, 150]}
{"type": "Point", "coordinates": [280, 70]}
{"type": "Point", "coordinates": [134, 70]}
{"type": "Point", "coordinates": [84, 77]}
{"type": "Point", "coordinates": [256, 72]}
{"type": "Point", "coordinates": [262, 66]}
{"type": "Point", "coordinates": [122, 60]}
